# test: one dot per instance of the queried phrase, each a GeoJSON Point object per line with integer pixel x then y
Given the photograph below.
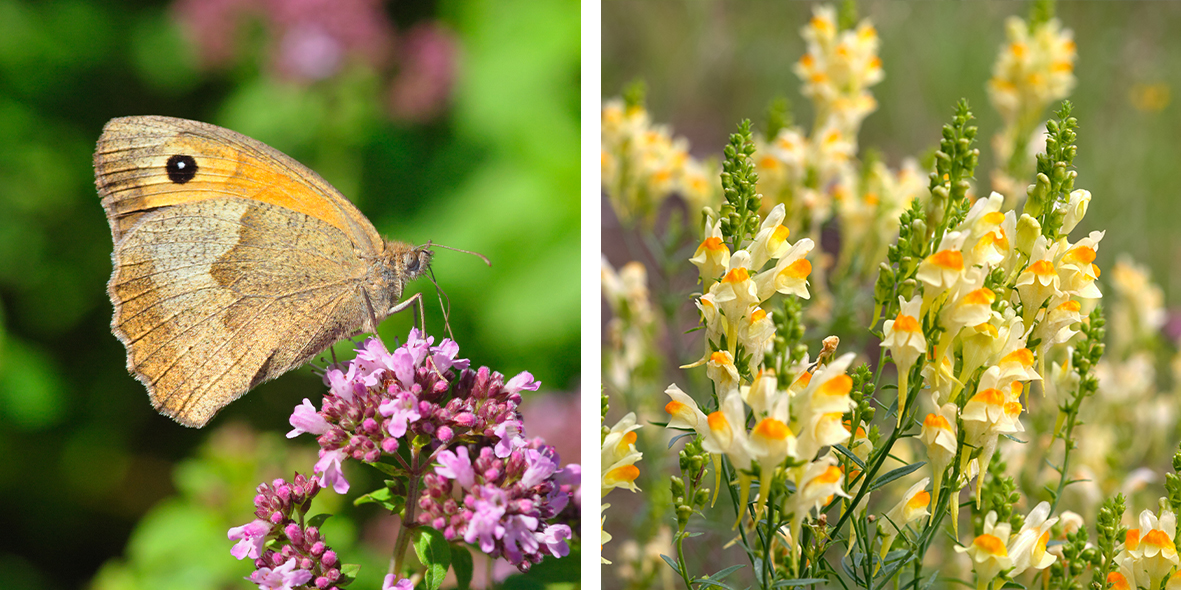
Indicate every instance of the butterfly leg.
{"type": "Point", "coordinates": [416, 301]}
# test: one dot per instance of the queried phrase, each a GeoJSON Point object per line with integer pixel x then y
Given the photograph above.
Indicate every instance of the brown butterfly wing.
{"type": "Point", "coordinates": [229, 278]}
{"type": "Point", "coordinates": [135, 166]}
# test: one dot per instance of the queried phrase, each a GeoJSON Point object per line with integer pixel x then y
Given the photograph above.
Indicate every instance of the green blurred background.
{"type": "Point", "coordinates": [710, 64]}
{"type": "Point", "coordinates": [449, 121]}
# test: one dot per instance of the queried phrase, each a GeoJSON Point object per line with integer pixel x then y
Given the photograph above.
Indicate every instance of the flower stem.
{"type": "Point", "coordinates": [408, 525]}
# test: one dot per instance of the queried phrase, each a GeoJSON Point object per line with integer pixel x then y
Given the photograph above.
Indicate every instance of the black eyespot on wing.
{"type": "Point", "coordinates": [181, 168]}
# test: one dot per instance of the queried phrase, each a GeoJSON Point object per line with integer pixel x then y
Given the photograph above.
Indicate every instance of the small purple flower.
{"type": "Point", "coordinates": [404, 366]}
{"type": "Point", "coordinates": [306, 418]}
{"type": "Point", "coordinates": [554, 539]}
{"type": "Point", "coordinates": [518, 537]}
{"type": "Point", "coordinates": [509, 433]}
{"type": "Point", "coordinates": [539, 469]}
{"type": "Point", "coordinates": [484, 526]}
{"type": "Point", "coordinates": [444, 354]}
{"type": "Point", "coordinates": [402, 584]}
{"type": "Point", "coordinates": [523, 380]}
{"type": "Point", "coordinates": [418, 345]}
{"type": "Point", "coordinates": [457, 466]}
{"type": "Point", "coordinates": [251, 537]}
{"type": "Point", "coordinates": [340, 384]}
{"type": "Point", "coordinates": [284, 577]}
{"type": "Point", "coordinates": [489, 485]}
{"type": "Point", "coordinates": [401, 411]}
{"type": "Point", "coordinates": [329, 469]}
{"type": "Point", "coordinates": [372, 362]}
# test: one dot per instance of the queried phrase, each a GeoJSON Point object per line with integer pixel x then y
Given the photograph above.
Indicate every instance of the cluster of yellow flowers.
{"type": "Point", "coordinates": [642, 165]}
{"type": "Point", "coordinates": [1034, 69]}
{"type": "Point", "coordinates": [837, 70]}
{"type": "Point", "coordinates": [1149, 553]}
{"type": "Point", "coordinates": [997, 550]}
{"type": "Point", "coordinates": [630, 331]}
{"type": "Point", "coordinates": [817, 176]}
{"type": "Point", "coordinates": [1131, 420]}
{"type": "Point", "coordinates": [994, 309]}
{"type": "Point", "coordinates": [792, 424]}
{"type": "Point", "coordinates": [954, 320]}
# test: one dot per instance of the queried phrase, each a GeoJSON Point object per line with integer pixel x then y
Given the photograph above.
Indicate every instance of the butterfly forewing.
{"type": "Point", "coordinates": [233, 263]}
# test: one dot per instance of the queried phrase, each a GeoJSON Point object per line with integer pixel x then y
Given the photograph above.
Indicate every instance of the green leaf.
{"type": "Point", "coordinates": [671, 563]}
{"type": "Point", "coordinates": [348, 574]}
{"type": "Point", "coordinates": [390, 469]}
{"type": "Point", "coordinates": [435, 553]}
{"type": "Point", "coordinates": [854, 458]}
{"type": "Point", "coordinates": [721, 574]}
{"type": "Point", "coordinates": [318, 520]}
{"type": "Point", "coordinates": [461, 562]}
{"type": "Point", "coordinates": [798, 582]}
{"type": "Point", "coordinates": [711, 583]}
{"type": "Point", "coordinates": [385, 497]}
{"type": "Point", "coordinates": [895, 474]}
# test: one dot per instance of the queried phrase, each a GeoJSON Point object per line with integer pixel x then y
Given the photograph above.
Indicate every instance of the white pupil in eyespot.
{"type": "Point", "coordinates": [180, 164]}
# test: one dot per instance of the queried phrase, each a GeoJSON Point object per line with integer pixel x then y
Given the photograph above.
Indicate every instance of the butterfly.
{"type": "Point", "coordinates": [233, 263]}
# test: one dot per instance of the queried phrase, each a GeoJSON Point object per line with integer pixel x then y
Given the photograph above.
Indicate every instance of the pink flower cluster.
{"type": "Point", "coordinates": [490, 485]}
{"type": "Point", "coordinates": [503, 502]}
{"type": "Point", "coordinates": [302, 558]}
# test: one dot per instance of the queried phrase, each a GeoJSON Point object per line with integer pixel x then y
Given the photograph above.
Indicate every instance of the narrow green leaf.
{"type": "Point", "coordinates": [721, 574]}
{"type": "Point", "coordinates": [895, 474]}
{"type": "Point", "coordinates": [671, 563]}
{"type": "Point", "coordinates": [854, 458]}
{"type": "Point", "coordinates": [797, 582]}
{"type": "Point", "coordinates": [712, 583]}
{"type": "Point", "coordinates": [318, 520]}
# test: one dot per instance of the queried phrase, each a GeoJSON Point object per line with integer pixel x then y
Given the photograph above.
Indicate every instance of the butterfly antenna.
{"type": "Point", "coordinates": [430, 244]}
{"type": "Point", "coordinates": [446, 307]}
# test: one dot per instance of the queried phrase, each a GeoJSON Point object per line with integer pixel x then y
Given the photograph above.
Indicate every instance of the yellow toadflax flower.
{"type": "Point", "coordinates": [684, 411]}
{"type": "Point", "coordinates": [821, 406]}
{"type": "Point", "coordinates": [938, 435]}
{"type": "Point", "coordinates": [906, 343]}
{"type": "Point", "coordinates": [1028, 547]}
{"type": "Point", "coordinates": [619, 456]}
{"type": "Point", "coordinates": [1152, 552]}
{"type": "Point", "coordinates": [1034, 69]}
{"type": "Point", "coordinates": [988, 551]}
{"type": "Point", "coordinates": [816, 483]}
{"type": "Point", "coordinates": [712, 257]}
{"type": "Point", "coordinates": [910, 508]}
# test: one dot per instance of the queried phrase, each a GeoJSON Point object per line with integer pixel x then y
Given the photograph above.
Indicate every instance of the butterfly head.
{"type": "Point", "coordinates": [404, 263]}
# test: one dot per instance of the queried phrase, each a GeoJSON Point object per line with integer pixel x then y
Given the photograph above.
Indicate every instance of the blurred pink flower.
{"type": "Point", "coordinates": [422, 86]}
{"type": "Point", "coordinates": [310, 39]}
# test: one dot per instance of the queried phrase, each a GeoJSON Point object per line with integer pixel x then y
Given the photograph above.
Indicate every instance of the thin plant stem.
{"type": "Point", "coordinates": [408, 525]}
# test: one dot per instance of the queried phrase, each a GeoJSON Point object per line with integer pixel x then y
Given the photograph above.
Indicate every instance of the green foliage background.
{"type": "Point", "coordinates": [84, 457]}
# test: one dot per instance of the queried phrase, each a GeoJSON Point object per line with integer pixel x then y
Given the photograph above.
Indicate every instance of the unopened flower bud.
{"type": "Point", "coordinates": [1028, 230]}
{"type": "Point", "coordinates": [1076, 209]}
